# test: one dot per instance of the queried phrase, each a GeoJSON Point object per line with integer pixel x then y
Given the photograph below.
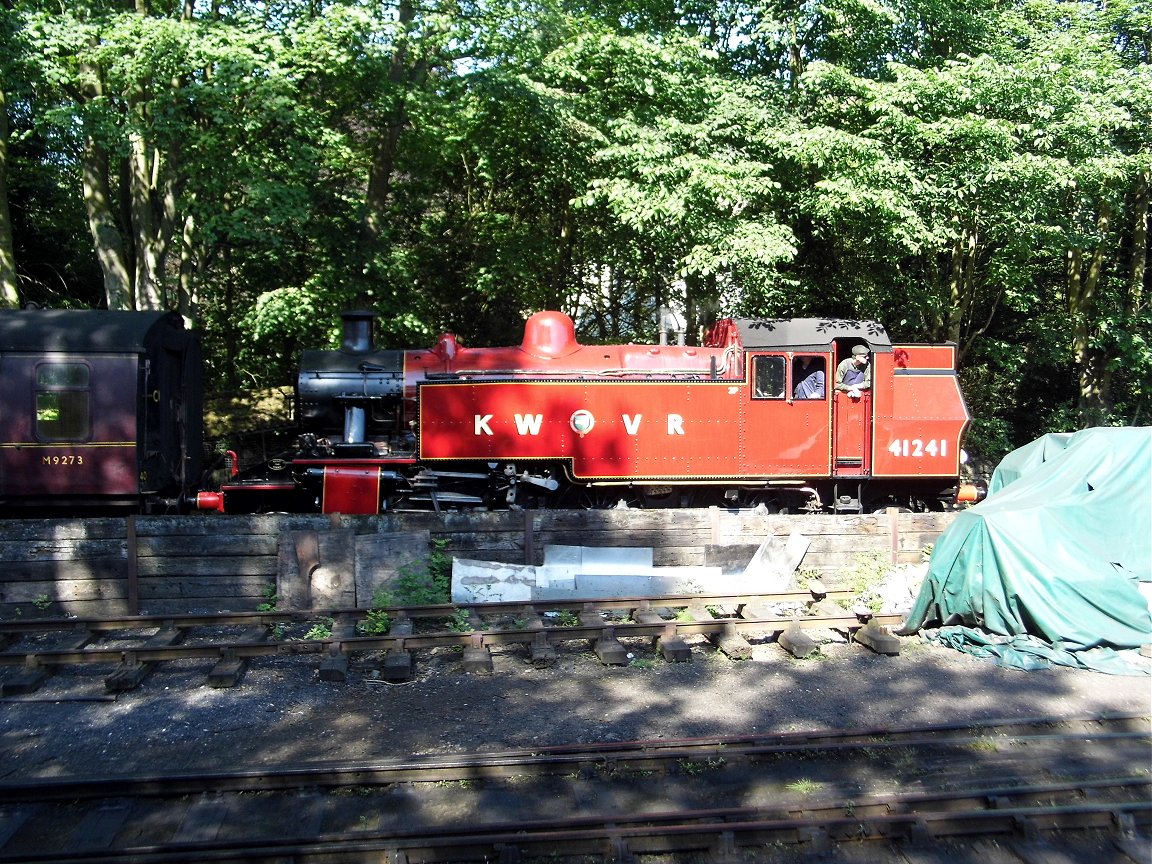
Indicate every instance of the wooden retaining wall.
{"type": "Point", "coordinates": [171, 565]}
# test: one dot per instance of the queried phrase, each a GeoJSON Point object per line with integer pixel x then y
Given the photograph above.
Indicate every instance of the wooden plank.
{"type": "Point", "coordinates": [197, 545]}
{"type": "Point", "coordinates": [333, 583]}
{"type": "Point", "coordinates": [213, 560]}
{"type": "Point", "coordinates": [233, 586]}
{"type": "Point", "coordinates": [50, 571]}
{"type": "Point", "coordinates": [211, 525]}
{"type": "Point", "coordinates": [472, 541]}
{"type": "Point", "coordinates": [211, 604]}
{"type": "Point", "coordinates": [52, 549]}
{"type": "Point", "coordinates": [686, 556]}
{"type": "Point", "coordinates": [15, 530]}
{"type": "Point", "coordinates": [175, 568]}
{"type": "Point", "coordinates": [624, 538]}
{"type": "Point", "coordinates": [66, 590]}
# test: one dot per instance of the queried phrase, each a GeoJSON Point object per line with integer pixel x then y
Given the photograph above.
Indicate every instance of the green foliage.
{"type": "Point", "coordinates": [567, 619]}
{"type": "Point", "coordinates": [865, 576]}
{"type": "Point", "coordinates": [937, 166]}
{"type": "Point", "coordinates": [426, 583]}
{"type": "Point", "coordinates": [376, 619]}
{"type": "Point", "coordinates": [270, 598]}
{"type": "Point", "coordinates": [461, 621]}
{"type": "Point", "coordinates": [322, 629]}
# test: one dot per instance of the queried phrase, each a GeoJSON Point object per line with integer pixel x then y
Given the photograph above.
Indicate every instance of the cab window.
{"type": "Point", "coordinates": [768, 378]}
{"type": "Point", "coordinates": [62, 402]}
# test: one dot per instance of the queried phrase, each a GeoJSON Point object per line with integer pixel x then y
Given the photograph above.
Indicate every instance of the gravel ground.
{"type": "Point", "coordinates": [282, 713]}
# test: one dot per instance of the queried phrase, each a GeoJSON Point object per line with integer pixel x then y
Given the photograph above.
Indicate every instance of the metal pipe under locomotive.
{"type": "Point", "coordinates": [553, 423]}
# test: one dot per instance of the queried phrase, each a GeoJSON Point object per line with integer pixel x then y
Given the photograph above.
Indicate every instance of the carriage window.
{"type": "Point", "coordinates": [768, 377]}
{"type": "Point", "coordinates": [62, 400]}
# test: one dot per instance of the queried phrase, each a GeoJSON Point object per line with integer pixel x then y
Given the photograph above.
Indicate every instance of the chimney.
{"type": "Point", "coordinates": [357, 337]}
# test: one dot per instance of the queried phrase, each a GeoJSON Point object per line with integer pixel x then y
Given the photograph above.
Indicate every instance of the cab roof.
{"type": "Point", "coordinates": [809, 334]}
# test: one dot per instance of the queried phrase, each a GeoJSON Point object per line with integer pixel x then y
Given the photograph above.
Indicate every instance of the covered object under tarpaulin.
{"type": "Point", "coordinates": [1049, 563]}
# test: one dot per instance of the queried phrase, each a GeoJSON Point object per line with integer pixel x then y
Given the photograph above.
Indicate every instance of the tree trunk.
{"type": "Point", "coordinates": [403, 74]}
{"type": "Point", "coordinates": [153, 211]}
{"type": "Point", "coordinates": [962, 287]}
{"type": "Point", "coordinates": [106, 236]}
{"type": "Point", "coordinates": [147, 275]}
{"type": "Point", "coordinates": [9, 293]}
{"type": "Point", "coordinates": [1095, 402]}
{"type": "Point", "coordinates": [1139, 269]}
{"type": "Point", "coordinates": [186, 293]}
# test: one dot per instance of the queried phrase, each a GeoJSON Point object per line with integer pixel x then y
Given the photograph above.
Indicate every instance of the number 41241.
{"type": "Point", "coordinates": [918, 449]}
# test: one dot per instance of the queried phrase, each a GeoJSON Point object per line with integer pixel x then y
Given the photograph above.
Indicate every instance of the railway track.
{"type": "Point", "coordinates": [1030, 790]}
{"type": "Point", "coordinates": [135, 645]}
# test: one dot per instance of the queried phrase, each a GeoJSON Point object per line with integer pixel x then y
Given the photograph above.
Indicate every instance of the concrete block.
{"type": "Point", "coordinates": [601, 561]}
{"type": "Point", "coordinates": [732, 644]}
{"type": "Point", "coordinates": [798, 643]}
{"type": "Point", "coordinates": [126, 676]}
{"type": "Point", "coordinates": [878, 639]}
{"type": "Point", "coordinates": [609, 650]}
{"type": "Point", "coordinates": [397, 665]}
{"type": "Point", "coordinates": [775, 562]}
{"type": "Point", "coordinates": [673, 649]}
{"type": "Point", "coordinates": [477, 659]}
{"type": "Point", "coordinates": [543, 654]}
{"type": "Point", "coordinates": [491, 581]}
{"type": "Point", "coordinates": [28, 680]}
{"type": "Point", "coordinates": [228, 671]}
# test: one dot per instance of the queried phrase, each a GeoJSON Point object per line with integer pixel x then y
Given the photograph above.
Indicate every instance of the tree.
{"type": "Point", "coordinates": [140, 95]}
{"type": "Point", "coordinates": [9, 295]}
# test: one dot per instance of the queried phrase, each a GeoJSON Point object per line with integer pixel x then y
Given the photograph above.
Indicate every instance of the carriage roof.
{"type": "Point", "coordinates": [83, 330]}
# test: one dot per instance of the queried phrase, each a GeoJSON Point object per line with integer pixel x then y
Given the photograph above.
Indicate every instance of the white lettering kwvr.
{"type": "Point", "coordinates": [530, 424]}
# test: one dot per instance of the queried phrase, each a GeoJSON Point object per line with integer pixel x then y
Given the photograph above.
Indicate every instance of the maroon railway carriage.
{"type": "Point", "coordinates": [551, 422]}
{"type": "Point", "coordinates": [97, 409]}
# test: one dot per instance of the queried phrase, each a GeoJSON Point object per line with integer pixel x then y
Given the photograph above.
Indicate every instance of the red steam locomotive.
{"type": "Point", "coordinates": [547, 423]}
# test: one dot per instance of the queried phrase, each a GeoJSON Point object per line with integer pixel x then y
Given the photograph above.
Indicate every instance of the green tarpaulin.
{"type": "Point", "coordinates": [1048, 564]}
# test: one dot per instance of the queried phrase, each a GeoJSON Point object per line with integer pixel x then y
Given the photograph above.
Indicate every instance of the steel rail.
{"type": "Point", "coordinates": [442, 639]}
{"type": "Point", "coordinates": [502, 765]}
{"type": "Point", "coordinates": [439, 610]}
{"type": "Point", "coordinates": [1140, 721]}
{"type": "Point", "coordinates": [683, 831]}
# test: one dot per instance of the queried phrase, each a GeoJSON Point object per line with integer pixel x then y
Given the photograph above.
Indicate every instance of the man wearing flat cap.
{"type": "Point", "coordinates": [854, 374]}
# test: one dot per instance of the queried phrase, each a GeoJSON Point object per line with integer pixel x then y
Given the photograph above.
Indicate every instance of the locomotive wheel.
{"type": "Point", "coordinates": [607, 498]}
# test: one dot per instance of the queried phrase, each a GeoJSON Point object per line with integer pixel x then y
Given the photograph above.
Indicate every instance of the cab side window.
{"type": "Point", "coordinates": [768, 378]}
{"type": "Point", "coordinates": [62, 402]}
